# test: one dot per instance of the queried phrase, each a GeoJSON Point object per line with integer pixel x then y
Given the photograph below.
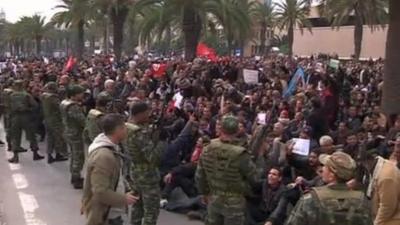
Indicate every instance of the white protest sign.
{"type": "Point", "coordinates": [250, 76]}
{"type": "Point", "coordinates": [178, 100]}
{"type": "Point", "coordinates": [261, 118]}
{"type": "Point", "coordinates": [301, 146]}
{"type": "Point", "coordinates": [334, 63]}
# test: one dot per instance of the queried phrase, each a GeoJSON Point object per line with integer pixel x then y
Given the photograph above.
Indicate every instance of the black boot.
{"type": "Point", "coordinates": [1, 142]}
{"type": "Point", "coordinates": [60, 158]}
{"type": "Point", "coordinates": [21, 150]}
{"type": "Point", "coordinates": [50, 159]}
{"type": "Point", "coordinates": [77, 182]}
{"type": "Point", "coordinates": [14, 159]}
{"type": "Point", "coordinates": [36, 156]}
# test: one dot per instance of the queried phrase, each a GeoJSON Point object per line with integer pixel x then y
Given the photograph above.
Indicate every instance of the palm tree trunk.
{"type": "Point", "coordinates": [118, 17]}
{"type": "Point", "coordinates": [391, 97]}
{"type": "Point", "coordinates": [191, 29]}
{"type": "Point", "coordinates": [105, 36]}
{"type": "Point", "coordinates": [263, 38]}
{"type": "Point", "coordinates": [38, 41]}
{"type": "Point", "coordinates": [290, 38]}
{"type": "Point", "coordinates": [80, 40]}
{"type": "Point", "coordinates": [358, 35]}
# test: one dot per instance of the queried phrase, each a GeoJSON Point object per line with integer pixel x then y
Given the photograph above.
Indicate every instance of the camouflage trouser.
{"type": "Point", "coordinates": [226, 211]}
{"type": "Point", "coordinates": [77, 155]}
{"type": "Point", "coordinates": [55, 140]}
{"type": "Point", "coordinates": [19, 122]}
{"type": "Point", "coordinates": [7, 129]}
{"type": "Point", "coordinates": [147, 209]}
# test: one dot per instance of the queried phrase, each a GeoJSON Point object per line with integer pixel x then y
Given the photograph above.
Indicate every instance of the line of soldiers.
{"type": "Point", "coordinates": [67, 125]}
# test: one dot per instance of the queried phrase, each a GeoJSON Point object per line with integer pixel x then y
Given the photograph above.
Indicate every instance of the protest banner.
{"type": "Point", "coordinates": [250, 76]}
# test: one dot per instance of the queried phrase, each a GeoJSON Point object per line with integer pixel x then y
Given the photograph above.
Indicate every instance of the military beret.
{"type": "Point", "coordinates": [104, 97]}
{"type": "Point", "coordinates": [230, 124]}
{"type": "Point", "coordinates": [51, 86]}
{"type": "Point", "coordinates": [139, 107]}
{"type": "Point", "coordinates": [75, 90]}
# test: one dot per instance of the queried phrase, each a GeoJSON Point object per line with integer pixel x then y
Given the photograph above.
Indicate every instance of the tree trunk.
{"type": "Point", "coordinates": [80, 44]}
{"type": "Point", "coordinates": [263, 37]}
{"type": "Point", "coordinates": [118, 17]}
{"type": "Point", "coordinates": [290, 38]}
{"type": "Point", "coordinates": [191, 30]}
{"type": "Point", "coordinates": [391, 86]}
{"type": "Point", "coordinates": [358, 35]}
{"type": "Point", "coordinates": [105, 36]}
{"type": "Point", "coordinates": [38, 44]}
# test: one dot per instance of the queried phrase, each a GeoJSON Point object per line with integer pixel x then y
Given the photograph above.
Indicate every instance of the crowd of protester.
{"type": "Point", "coordinates": [335, 109]}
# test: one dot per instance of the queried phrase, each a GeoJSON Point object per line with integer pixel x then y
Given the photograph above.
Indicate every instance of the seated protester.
{"type": "Point", "coordinates": [353, 121]}
{"type": "Point", "coordinates": [183, 175]}
{"type": "Point", "coordinates": [326, 145]}
{"type": "Point", "coordinates": [242, 136]}
{"type": "Point", "coordinates": [340, 135]}
{"type": "Point", "coordinates": [305, 167]}
{"type": "Point", "coordinates": [351, 146]}
{"type": "Point", "coordinates": [266, 210]}
{"type": "Point", "coordinates": [295, 125]}
{"type": "Point", "coordinates": [180, 148]}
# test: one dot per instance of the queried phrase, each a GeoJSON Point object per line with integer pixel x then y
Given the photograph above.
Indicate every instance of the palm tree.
{"type": "Point", "coordinates": [264, 16]}
{"type": "Point", "coordinates": [35, 28]}
{"type": "Point", "coordinates": [192, 17]}
{"type": "Point", "coordinates": [370, 12]}
{"type": "Point", "coordinates": [76, 14]}
{"type": "Point", "coordinates": [291, 14]}
{"type": "Point", "coordinates": [118, 12]}
{"type": "Point", "coordinates": [391, 84]}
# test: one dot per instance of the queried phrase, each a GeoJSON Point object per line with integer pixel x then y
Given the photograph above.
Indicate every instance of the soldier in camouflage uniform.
{"type": "Point", "coordinates": [53, 123]}
{"type": "Point", "coordinates": [145, 153]}
{"type": "Point", "coordinates": [333, 204]}
{"type": "Point", "coordinates": [74, 122]}
{"type": "Point", "coordinates": [93, 119]}
{"type": "Point", "coordinates": [224, 173]}
{"type": "Point", "coordinates": [21, 105]}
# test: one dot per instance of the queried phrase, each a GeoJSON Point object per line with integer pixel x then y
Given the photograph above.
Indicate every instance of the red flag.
{"type": "Point", "coordinates": [159, 69]}
{"type": "Point", "coordinates": [70, 64]}
{"type": "Point", "coordinates": [204, 51]}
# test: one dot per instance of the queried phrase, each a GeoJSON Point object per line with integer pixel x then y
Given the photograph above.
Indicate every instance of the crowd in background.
{"type": "Point", "coordinates": [334, 108]}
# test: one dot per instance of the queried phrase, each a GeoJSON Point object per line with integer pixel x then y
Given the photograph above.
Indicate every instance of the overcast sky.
{"type": "Point", "coordinates": [16, 8]}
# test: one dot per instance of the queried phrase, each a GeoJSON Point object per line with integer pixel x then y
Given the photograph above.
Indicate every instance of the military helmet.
{"type": "Point", "coordinates": [340, 163]}
{"type": "Point", "coordinates": [230, 124]}
{"type": "Point", "coordinates": [75, 90]}
{"type": "Point", "coordinates": [18, 84]}
{"type": "Point", "coordinates": [51, 86]}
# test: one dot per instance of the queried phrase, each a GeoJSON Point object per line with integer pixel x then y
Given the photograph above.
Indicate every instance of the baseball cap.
{"type": "Point", "coordinates": [340, 163]}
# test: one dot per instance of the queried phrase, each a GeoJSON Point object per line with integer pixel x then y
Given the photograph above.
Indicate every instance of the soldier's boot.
{"type": "Point", "coordinates": [36, 155]}
{"type": "Point", "coordinates": [77, 182]}
{"type": "Point", "coordinates": [60, 158]}
{"type": "Point", "coordinates": [21, 150]}
{"type": "Point", "coordinates": [14, 159]}
{"type": "Point", "coordinates": [50, 159]}
{"type": "Point", "coordinates": [2, 142]}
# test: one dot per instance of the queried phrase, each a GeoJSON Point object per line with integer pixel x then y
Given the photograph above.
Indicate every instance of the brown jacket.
{"type": "Point", "coordinates": [386, 197]}
{"type": "Point", "coordinates": [103, 171]}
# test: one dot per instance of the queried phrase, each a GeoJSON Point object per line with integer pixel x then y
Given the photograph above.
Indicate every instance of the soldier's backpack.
{"type": "Point", "coordinates": [342, 207]}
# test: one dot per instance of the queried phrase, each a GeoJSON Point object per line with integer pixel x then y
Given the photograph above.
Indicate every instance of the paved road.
{"type": "Point", "coordinates": [35, 193]}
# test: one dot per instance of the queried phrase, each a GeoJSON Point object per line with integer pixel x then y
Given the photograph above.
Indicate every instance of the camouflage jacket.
{"type": "Point", "coordinates": [145, 154]}
{"type": "Point", "coordinates": [51, 109]}
{"type": "Point", "coordinates": [331, 205]}
{"type": "Point", "coordinates": [225, 169]}
{"type": "Point", "coordinates": [73, 119]}
{"type": "Point", "coordinates": [21, 102]}
{"type": "Point", "coordinates": [92, 125]}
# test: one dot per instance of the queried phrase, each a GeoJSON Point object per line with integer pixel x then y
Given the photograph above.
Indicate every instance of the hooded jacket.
{"type": "Point", "coordinates": [102, 180]}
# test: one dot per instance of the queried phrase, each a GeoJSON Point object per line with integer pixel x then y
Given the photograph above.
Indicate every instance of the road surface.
{"type": "Point", "coordinates": [36, 193]}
